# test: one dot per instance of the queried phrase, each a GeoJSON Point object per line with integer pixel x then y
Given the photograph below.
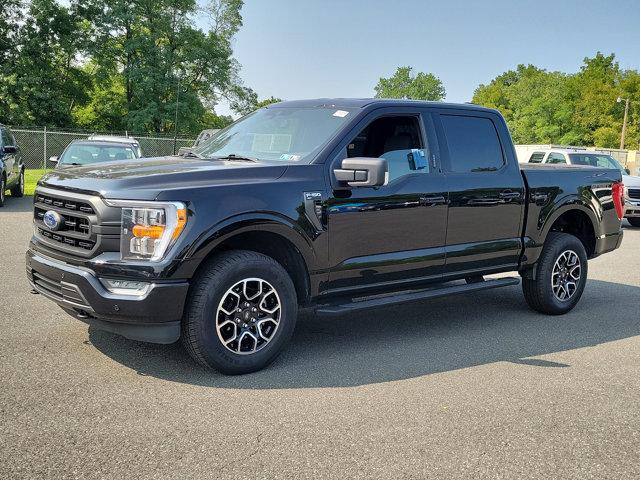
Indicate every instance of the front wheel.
{"type": "Point", "coordinates": [18, 189]}
{"type": "Point", "coordinates": [561, 275]}
{"type": "Point", "coordinates": [634, 221]}
{"type": "Point", "coordinates": [240, 314]}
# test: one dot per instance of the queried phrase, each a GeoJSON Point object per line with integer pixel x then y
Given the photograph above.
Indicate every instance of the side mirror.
{"type": "Point", "coordinates": [628, 171]}
{"type": "Point", "coordinates": [53, 159]}
{"type": "Point", "coordinates": [363, 172]}
{"type": "Point", "coordinates": [10, 149]}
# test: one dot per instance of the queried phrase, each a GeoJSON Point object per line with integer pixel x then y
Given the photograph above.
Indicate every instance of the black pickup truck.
{"type": "Point", "coordinates": [332, 205]}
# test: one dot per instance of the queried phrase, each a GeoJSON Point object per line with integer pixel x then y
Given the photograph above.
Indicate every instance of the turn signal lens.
{"type": "Point", "coordinates": [154, 231]}
{"type": "Point", "coordinates": [180, 222]}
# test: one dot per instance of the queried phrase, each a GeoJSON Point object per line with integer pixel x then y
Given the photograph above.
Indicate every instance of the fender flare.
{"type": "Point", "coordinates": [252, 222]}
{"type": "Point", "coordinates": [567, 204]}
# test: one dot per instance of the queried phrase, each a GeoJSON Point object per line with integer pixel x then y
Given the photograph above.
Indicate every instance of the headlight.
{"type": "Point", "coordinates": [149, 228]}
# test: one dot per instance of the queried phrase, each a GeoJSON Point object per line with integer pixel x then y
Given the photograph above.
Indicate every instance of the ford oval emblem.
{"type": "Point", "coordinates": [52, 220]}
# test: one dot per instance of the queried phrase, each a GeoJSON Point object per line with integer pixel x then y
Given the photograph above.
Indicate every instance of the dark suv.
{"type": "Point", "coordinates": [11, 166]}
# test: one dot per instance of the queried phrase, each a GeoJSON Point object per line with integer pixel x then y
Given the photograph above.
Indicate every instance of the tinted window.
{"type": "Point", "coordinates": [556, 158]}
{"type": "Point", "coordinates": [595, 160]}
{"type": "Point", "coordinates": [80, 154]}
{"type": "Point", "coordinates": [278, 134]}
{"type": "Point", "coordinates": [536, 157]}
{"type": "Point", "coordinates": [396, 139]}
{"type": "Point", "coordinates": [473, 144]}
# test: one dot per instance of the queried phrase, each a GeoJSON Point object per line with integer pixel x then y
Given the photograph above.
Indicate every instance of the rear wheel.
{"type": "Point", "coordinates": [561, 275]}
{"type": "Point", "coordinates": [635, 222]}
{"type": "Point", "coordinates": [241, 312]}
{"type": "Point", "coordinates": [18, 189]}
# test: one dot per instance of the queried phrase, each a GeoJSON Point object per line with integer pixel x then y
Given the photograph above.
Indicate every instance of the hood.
{"type": "Point", "coordinates": [145, 178]}
{"type": "Point", "coordinates": [631, 181]}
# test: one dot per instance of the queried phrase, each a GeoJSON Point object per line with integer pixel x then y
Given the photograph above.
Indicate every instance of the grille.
{"type": "Point", "coordinates": [52, 287]}
{"type": "Point", "coordinates": [634, 193]}
{"type": "Point", "coordinates": [70, 223]}
{"type": "Point", "coordinates": [88, 227]}
{"type": "Point", "coordinates": [74, 234]}
{"type": "Point", "coordinates": [70, 241]}
{"type": "Point", "coordinates": [66, 204]}
{"type": "Point", "coordinates": [60, 290]}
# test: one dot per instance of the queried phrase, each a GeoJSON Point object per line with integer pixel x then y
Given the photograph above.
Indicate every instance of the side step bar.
{"type": "Point", "coordinates": [342, 306]}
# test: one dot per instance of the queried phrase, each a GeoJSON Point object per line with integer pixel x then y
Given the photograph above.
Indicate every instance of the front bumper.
{"type": "Point", "coordinates": [631, 208]}
{"type": "Point", "coordinates": [152, 317]}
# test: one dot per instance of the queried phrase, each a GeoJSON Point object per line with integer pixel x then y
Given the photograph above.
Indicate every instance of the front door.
{"type": "Point", "coordinates": [394, 234]}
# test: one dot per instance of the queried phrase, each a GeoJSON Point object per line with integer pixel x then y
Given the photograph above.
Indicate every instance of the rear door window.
{"type": "Point", "coordinates": [473, 144]}
{"type": "Point", "coordinates": [556, 158]}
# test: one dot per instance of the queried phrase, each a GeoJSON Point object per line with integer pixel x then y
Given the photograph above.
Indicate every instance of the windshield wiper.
{"type": "Point", "coordinates": [233, 156]}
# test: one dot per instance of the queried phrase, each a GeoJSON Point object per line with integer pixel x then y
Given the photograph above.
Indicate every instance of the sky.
{"type": "Point", "coordinates": [295, 49]}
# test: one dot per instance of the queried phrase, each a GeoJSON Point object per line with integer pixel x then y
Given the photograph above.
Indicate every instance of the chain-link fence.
{"type": "Point", "coordinates": [38, 144]}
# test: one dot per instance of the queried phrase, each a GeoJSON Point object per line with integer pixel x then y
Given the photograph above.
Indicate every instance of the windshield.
{"type": "Point", "coordinates": [596, 160]}
{"type": "Point", "coordinates": [81, 154]}
{"type": "Point", "coordinates": [276, 134]}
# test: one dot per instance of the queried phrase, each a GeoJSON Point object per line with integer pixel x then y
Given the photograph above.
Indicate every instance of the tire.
{"type": "Point", "coordinates": [3, 188]}
{"type": "Point", "coordinates": [634, 222]}
{"type": "Point", "coordinates": [206, 327]}
{"type": "Point", "coordinates": [539, 293]}
{"type": "Point", "coordinates": [18, 190]}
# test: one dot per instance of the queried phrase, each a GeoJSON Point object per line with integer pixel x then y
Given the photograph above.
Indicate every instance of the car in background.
{"type": "Point", "coordinates": [202, 137]}
{"type": "Point", "coordinates": [83, 152]}
{"type": "Point", "coordinates": [132, 142]}
{"type": "Point", "coordinates": [11, 166]}
{"type": "Point", "coordinates": [570, 156]}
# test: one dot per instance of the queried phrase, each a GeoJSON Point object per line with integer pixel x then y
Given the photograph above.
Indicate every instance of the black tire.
{"type": "Point", "coordinates": [3, 188]}
{"type": "Point", "coordinates": [200, 334]}
{"type": "Point", "coordinates": [539, 293]}
{"type": "Point", "coordinates": [634, 222]}
{"type": "Point", "coordinates": [18, 189]}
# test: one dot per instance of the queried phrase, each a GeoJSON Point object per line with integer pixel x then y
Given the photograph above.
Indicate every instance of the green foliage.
{"type": "Point", "coordinates": [576, 109]}
{"type": "Point", "coordinates": [120, 64]}
{"type": "Point", "coordinates": [41, 80]}
{"type": "Point", "coordinates": [267, 101]}
{"type": "Point", "coordinates": [403, 84]}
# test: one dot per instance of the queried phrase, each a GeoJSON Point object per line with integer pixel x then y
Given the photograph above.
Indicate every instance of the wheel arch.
{"type": "Point", "coordinates": [577, 220]}
{"type": "Point", "coordinates": [271, 235]}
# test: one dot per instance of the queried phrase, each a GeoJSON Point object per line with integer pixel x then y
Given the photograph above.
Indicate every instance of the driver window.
{"type": "Point", "coordinates": [396, 139]}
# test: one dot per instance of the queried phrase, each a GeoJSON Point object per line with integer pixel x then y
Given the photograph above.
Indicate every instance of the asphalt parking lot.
{"type": "Point", "coordinates": [465, 387]}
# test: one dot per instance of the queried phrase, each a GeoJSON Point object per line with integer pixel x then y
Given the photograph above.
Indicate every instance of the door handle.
{"type": "Point", "coordinates": [432, 200]}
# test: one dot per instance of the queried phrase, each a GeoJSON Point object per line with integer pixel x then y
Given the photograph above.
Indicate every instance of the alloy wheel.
{"type": "Point", "coordinates": [248, 316]}
{"type": "Point", "coordinates": [565, 275]}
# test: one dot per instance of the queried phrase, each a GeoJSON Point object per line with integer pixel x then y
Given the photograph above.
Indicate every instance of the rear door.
{"type": "Point", "coordinates": [486, 191]}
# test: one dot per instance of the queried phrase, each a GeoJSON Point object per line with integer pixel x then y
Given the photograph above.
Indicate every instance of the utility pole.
{"type": "Point", "coordinates": [175, 122]}
{"type": "Point", "coordinates": [624, 122]}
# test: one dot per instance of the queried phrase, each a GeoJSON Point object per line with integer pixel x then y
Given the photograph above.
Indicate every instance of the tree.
{"type": "Point", "coordinates": [575, 109]}
{"type": "Point", "coordinates": [42, 79]}
{"type": "Point", "coordinates": [403, 84]}
{"type": "Point", "coordinates": [162, 60]}
{"type": "Point", "coordinates": [267, 101]}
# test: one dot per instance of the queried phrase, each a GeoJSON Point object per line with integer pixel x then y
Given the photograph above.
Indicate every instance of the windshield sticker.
{"type": "Point", "coordinates": [288, 157]}
{"type": "Point", "coordinates": [340, 113]}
